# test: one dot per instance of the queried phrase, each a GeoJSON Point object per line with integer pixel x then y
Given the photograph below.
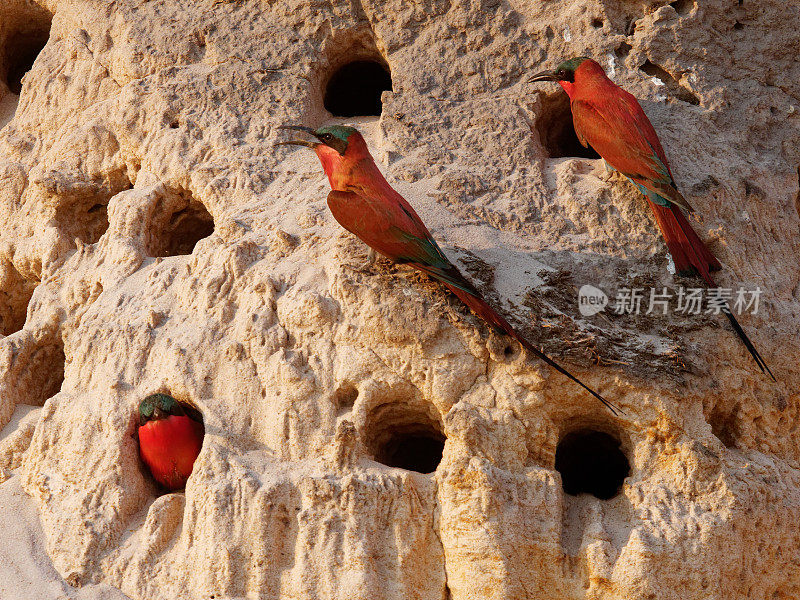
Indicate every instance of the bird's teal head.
{"type": "Point", "coordinates": [334, 136]}
{"type": "Point", "coordinates": [563, 72]}
{"type": "Point", "coordinates": [158, 406]}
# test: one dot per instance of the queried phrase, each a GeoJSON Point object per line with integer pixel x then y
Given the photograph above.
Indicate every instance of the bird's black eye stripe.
{"type": "Point", "coordinates": [565, 75]}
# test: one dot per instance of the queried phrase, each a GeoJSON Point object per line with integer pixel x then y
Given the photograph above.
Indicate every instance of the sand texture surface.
{"type": "Point", "coordinates": [152, 239]}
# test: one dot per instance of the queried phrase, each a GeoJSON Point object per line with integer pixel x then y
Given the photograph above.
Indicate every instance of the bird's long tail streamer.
{"type": "Point", "coordinates": [690, 254]}
{"type": "Point", "coordinates": [747, 343]}
{"type": "Point", "coordinates": [479, 306]}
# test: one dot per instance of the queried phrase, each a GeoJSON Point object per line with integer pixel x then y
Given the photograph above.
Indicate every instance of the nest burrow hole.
{"type": "Point", "coordinates": [39, 372]}
{"type": "Point", "coordinates": [355, 88]}
{"type": "Point", "coordinates": [22, 37]}
{"type": "Point", "coordinates": [406, 437]}
{"type": "Point", "coordinates": [723, 422]}
{"type": "Point", "coordinates": [345, 397]}
{"type": "Point", "coordinates": [53, 364]}
{"type": "Point", "coordinates": [682, 7]}
{"type": "Point", "coordinates": [85, 217]}
{"type": "Point", "coordinates": [179, 223]}
{"type": "Point", "coordinates": [15, 295]}
{"type": "Point", "coordinates": [591, 462]}
{"type": "Point", "coordinates": [556, 131]}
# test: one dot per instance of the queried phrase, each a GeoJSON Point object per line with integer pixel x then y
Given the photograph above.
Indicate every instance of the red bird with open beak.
{"type": "Point", "coordinates": [364, 203]}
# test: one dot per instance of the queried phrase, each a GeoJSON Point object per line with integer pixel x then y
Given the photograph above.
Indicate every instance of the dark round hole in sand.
{"type": "Point", "coordinates": [421, 452]}
{"type": "Point", "coordinates": [355, 89]}
{"type": "Point", "coordinates": [556, 131]}
{"type": "Point", "coordinates": [591, 462]}
{"type": "Point", "coordinates": [21, 52]}
{"type": "Point", "coordinates": [176, 231]}
{"type": "Point", "coordinates": [404, 436]}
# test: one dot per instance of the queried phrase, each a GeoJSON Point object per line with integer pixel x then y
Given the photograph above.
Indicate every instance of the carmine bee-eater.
{"type": "Point", "coordinates": [170, 438]}
{"type": "Point", "coordinates": [364, 203]}
{"type": "Point", "coordinates": [611, 121]}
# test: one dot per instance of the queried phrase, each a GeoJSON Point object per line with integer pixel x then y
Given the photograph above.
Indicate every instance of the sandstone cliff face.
{"type": "Point", "coordinates": [152, 239]}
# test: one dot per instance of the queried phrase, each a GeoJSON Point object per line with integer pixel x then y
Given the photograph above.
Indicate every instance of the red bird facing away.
{"type": "Point", "coordinates": [611, 121]}
{"type": "Point", "coordinates": [364, 203]}
{"type": "Point", "coordinates": [170, 438]}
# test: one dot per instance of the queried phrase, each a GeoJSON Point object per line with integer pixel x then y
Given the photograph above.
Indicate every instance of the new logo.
{"type": "Point", "coordinates": [591, 300]}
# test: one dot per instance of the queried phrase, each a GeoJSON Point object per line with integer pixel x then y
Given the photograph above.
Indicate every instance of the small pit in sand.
{"type": "Point", "coordinates": [180, 222]}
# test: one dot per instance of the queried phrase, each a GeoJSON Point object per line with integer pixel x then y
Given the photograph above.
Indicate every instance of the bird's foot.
{"type": "Point", "coordinates": [366, 267]}
{"type": "Point", "coordinates": [606, 173]}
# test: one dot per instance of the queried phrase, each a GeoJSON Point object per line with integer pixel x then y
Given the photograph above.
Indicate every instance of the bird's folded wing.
{"type": "Point", "coordinates": [388, 224]}
{"type": "Point", "coordinates": [426, 255]}
{"type": "Point", "coordinates": [625, 138]}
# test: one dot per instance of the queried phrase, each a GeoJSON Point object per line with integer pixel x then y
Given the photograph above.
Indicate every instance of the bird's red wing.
{"type": "Point", "coordinates": [385, 224]}
{"type": "Point", "coordinates": [621, 133]}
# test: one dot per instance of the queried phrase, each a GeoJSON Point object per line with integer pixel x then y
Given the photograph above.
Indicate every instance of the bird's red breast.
{"type": "Point", "coordinates": [169, 448]}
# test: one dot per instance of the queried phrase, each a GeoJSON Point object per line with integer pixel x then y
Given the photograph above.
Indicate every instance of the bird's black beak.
{"type": "Point", "coordinates": [311, 145]}
{"type": "Point", "coordinates": [544, 76]}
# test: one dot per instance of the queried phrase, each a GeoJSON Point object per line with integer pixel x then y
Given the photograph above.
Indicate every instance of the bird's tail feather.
{"type": "Point", "coordinates": [747, 343]}
{"type": "Point", "coordinates": [688, 251]}
{"type": "Point", "coordinates": [479, 306]}
{"type": "Point", "coordinates": [691, 255]}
